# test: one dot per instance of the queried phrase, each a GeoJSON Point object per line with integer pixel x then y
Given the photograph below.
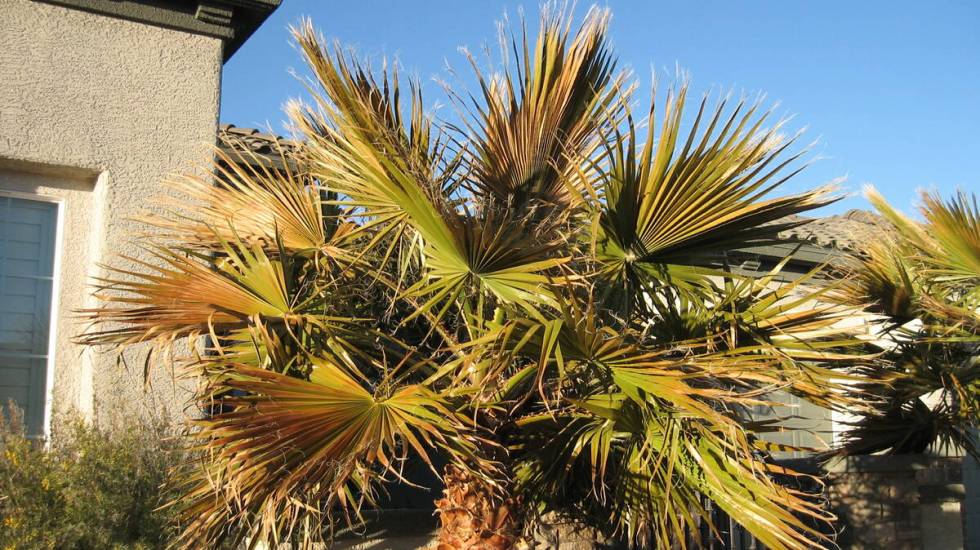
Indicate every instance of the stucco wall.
{"type": "Point", "coordinates": [97, 111]}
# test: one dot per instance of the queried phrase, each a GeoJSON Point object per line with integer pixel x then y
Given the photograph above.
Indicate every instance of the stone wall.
{"type": "Point", "coordinates": [971, 504]}
{"type": "Point", "coordinates": [898, 502]}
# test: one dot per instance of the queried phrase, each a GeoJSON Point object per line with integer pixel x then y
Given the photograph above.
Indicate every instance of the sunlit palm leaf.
{"type": "Point", "coordinates": [949, 240]}
{"type": "Point", "coordinates": [955, 225]}
{"type": "Point", "coordinates": [260, 202]}
{"type": "Point", "coordinates": [357, 144]}
{"type": "Point", "coordinates": [188, 295]}
{"type": "Point", "coordinates": [884, 281]}
{"type": "Point", "coordinates": [288, 449]}
{"type": "Point", "coordinates": [685, 197]}
{"type": "Point", "coordinates": [538, 122]}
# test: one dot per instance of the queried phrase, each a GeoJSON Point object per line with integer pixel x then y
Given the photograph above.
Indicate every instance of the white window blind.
{"type": "Point", "coordinates": [27, 248]}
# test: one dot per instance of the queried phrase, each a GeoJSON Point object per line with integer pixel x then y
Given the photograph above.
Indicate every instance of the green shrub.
{"type": "Point", "coordinates": [92, 487]}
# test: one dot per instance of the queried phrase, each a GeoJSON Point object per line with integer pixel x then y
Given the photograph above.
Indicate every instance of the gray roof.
{"type": "Point", "coordinates": [848, 231]}
{"type": "Point", "coordinates": [845, 231]}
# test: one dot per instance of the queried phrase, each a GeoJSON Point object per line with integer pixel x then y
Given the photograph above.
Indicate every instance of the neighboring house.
{"type": "Point", "coordinates": [99, 100]}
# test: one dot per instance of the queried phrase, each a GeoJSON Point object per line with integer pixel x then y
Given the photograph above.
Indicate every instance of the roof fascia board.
{"type": "Point", "coordinates": [231, 21]}
{"type": "Point", "coordinates": [801, 251]}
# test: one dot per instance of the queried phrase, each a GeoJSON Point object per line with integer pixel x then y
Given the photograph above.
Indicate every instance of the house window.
{"type": "Point", "coordinates": [27, 254]}
{"type": "Point", "coordinates": [805, 424]}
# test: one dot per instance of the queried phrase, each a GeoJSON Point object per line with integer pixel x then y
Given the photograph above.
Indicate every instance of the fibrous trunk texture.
{"type": "Point", "coordinates": [472, 517]}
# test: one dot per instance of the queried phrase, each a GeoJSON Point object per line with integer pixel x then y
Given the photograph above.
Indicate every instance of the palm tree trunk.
{"type": "Point", "coordinates": [472, 517]}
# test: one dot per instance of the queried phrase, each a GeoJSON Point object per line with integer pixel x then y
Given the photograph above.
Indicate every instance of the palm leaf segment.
{"type": "Point", "coordinates": [288, 447]}
{"type": "Point", "coordinates": [252, 201]}
{"type": "Point", "coordinates": [539, 122]}
{"type": "Point", "coordinates": [679, 200]}
{"type": "Point", "coordinates": [949, 240]}
{"type": "Point", "coordinates": [186, 296]}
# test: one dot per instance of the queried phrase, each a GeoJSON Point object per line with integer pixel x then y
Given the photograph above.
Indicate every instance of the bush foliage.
{"type": "Point", "coordinates": [93, 486]}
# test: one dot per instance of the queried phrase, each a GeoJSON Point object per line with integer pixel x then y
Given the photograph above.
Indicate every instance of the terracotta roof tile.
{"type": "Point", "coordinates": [257, 141]}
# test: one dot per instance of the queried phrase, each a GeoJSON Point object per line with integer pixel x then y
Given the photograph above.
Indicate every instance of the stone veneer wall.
{"type": "Point", "coordinates": [971, 503]}
{"type": "Point", "coordinates": [898, 502]}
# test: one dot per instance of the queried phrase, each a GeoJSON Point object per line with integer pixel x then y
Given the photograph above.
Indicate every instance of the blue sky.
{"type": "Point", "coordinates": [888, 90]}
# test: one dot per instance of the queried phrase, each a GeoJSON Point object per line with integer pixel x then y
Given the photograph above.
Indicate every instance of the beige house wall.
{"type": "Point", "coordinates": [94, 113]}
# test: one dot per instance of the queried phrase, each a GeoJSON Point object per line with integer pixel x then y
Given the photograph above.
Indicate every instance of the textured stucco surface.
{"type": "Point", "coordinates": [97, 111]}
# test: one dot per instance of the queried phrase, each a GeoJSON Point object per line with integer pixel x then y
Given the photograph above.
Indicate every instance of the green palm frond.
{"type": "Point", "coordinates": [354, 102]}
{"type": "Point", "coordinates": [366, 155]}
{"type": "Point", "coordinates": [949, 239]}
{"type": "Point", "coordinates": [384, 172]}
{"type": "Point", "coordinates": [955, 225]}
{"type": "Point", "coordinates": [652, 428]}
{"type": "Point", "coordinates": [644, 468]}
{"type": "Point", "coordinates": [884, 282]}
{"type": "Point", "coordinates": [684, 198]}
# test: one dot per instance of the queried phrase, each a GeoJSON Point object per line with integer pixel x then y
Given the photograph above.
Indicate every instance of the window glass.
{"type": "Point", "coordinates": [27, 239]}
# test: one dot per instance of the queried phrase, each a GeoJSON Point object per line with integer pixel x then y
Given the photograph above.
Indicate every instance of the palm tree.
{"type": "Point", "coordinates": [536, 295]}
{"type": "Point", "coordinates": [922, 280]}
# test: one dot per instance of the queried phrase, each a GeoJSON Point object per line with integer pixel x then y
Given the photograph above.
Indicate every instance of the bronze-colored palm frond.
{"type": "Point", "coordinates": [189, 296]}
{"type": "Point", "coordinates": [253, 201]}
{"type": "Point", "coordinates": [354, 101]}
{"type": "Point", "coordinates": [540, 121]}
{"type": "Point", "coordinates": [287, 448]}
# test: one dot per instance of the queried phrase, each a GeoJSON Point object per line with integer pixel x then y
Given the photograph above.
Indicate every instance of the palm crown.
{"type": "Point", "coordinates": [922, 280]}
{"type": "Point", "coordinates": [537, 294]}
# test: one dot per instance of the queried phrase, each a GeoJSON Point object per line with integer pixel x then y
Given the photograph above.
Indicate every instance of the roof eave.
{"type": "Point", "coordinates": [231, 21]}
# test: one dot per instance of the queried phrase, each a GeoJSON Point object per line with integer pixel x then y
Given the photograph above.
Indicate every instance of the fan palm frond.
{"type": "Point", "coordinates": [686, 197]}
{"type": "Point", "coordinates": [948, 241]}
{"type": "Point", "coordinates": [539, 121]}
{"type": "Point", "coordinates": [260, 202]}
{"type": "Point", "coordinates": [288, 450]}
{"type": "Point", "coordinates": [190, 295]}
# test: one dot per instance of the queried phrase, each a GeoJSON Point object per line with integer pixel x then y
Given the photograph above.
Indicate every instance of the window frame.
{"type": "Point", "coordinates": [49, 371]}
